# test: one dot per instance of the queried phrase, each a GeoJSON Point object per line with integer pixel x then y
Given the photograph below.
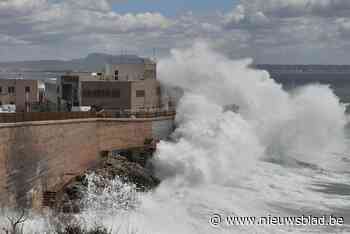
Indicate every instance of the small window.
{"type": "Point", "coordinates": [116, 75]}
{"type": "Point", "coordinates": [12, 103]}
{"type": "Point", "coordinates": [140, 93]}
{"type": "Point", "coordinates": [27, 89]}
{"type": "Point", "coordinates": [0, 103]}
{"type": "Point", "coordinates": [86, 93]}
{"type": "Point", "coordinates": [11, 89]}
{"type": "Point", "coordinates": [0, 89]}
{"type": "Point", "coordinates": [97, 93]}
{"type": "Point", "coordinates": [116, 93]}
{"type": "Point", "coordinates": [89, 93]}
{"type": "Point", "coordinates": [106, 93]}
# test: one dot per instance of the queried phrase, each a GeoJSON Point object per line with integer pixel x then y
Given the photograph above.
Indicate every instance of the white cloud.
{"type": "Point", "coordinates": [343, 25]}
{"type": "Point", "coordinates": [243, 16]}
{"type": "Point", "coordinates": [20, 7]}
{"type": "Point", "coordinates": [92, 5]}
{"type": "Point", "coordinates": [271, 30]}
{"type": "Point", "coordinates": [6, 40]}
{"type": "Point", "coordinates": [292, 8]}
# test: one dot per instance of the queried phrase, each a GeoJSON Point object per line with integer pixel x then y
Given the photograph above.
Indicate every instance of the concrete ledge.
{"type": "Point", "coordinates": [135, 119]}
{"type": "Point", "coordinates": [75, 121]}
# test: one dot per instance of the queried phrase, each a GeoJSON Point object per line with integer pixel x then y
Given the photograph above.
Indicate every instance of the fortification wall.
{"type": "Point", "coordinates": [43, 156]}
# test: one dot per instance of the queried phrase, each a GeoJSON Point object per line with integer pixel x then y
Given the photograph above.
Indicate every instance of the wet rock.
{"type": "Point", "coordinates": [75, 190]}
{"type": "Point", "coordinates": [131, 172]}
{"type": "Point", "coordinates": [130, 169]}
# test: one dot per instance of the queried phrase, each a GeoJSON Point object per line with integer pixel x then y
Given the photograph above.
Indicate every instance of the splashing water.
{"type": "Point", "coordinates": [275, 157]}
{"type": "Point", "coordinates": [283, 154]}
{"type": "Point", "coordinates": [115, 194]}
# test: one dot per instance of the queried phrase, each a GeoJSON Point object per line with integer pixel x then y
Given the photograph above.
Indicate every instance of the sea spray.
{"type": "Point", "coordinates": [109, 195]}
{"type": "Point", "coordinates": [216, 160]}
{"type": "Point", "coordinates": [309, 121]}
{"type": "Point", "coordinates": [212, 146]}
{"type": "Point", "coordinates": [219, 161]}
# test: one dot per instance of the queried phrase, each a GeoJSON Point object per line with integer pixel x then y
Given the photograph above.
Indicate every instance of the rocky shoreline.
{"type": "Point", "coordinates": [130, 168]}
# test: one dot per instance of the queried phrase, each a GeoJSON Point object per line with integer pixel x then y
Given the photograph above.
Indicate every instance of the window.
{"type": "Point", "coordinates": [86, 93]}
{"type": "Point", "coordinates": [106, 93]}
{"type": "Point", "coordinates": [11, 89]}
{"type": "Point", "coordinates": [27, 89]}
{"type": "Point", "coordinates": [95, 93]}
{"type": "Point", "coordinates": [12, 103]}
{"type": "Point", "coordinates": [140, 93]}
{"type": "Point", "coordinates": [116, 75]}
{"type": "Point", "coordinates": [0, 89]}
{"type": "Point", "coordinates": [101, 93]}
{"type": "Point", "coordinates": [0, 103]}
{"type": "Point", "coordinates": [98, 93]}
{"type": "Point", "coordinates": [115, 93]}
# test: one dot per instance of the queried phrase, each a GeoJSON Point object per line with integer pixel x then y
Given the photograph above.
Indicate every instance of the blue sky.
{"type": "Point", "coordinates": [173, 7]}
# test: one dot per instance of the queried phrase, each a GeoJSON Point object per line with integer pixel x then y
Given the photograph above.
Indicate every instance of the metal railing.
{"type": "Point", "coordinates": [46, 116]}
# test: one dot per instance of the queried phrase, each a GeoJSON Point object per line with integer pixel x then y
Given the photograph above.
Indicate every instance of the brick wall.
{"type": "Point", "coordinates": [43, 156]}
{"type": "Point", "coordinates": [39, 157]}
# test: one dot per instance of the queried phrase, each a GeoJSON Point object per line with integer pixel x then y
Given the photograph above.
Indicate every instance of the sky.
{"type": "Point", "coordinates": [172, 8]}
{"type": "Point", "coordinates": [268, 31]}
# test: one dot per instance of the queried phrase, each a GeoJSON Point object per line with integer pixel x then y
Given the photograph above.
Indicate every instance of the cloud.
{"type": "Point", "coordinates": [257, 13]}
{"type": "Point", "coordinates": [92, 5]}
{"type": "Point", "coordinates": [40, 21]}
{"type": "Point", "coordinates": [6, 40]}
{"type": "Point", "coordinates": [21, 7]}
{"type": "Point", "coordinates": [267, 30]}
{"type": "Point", "coordinates": [63, 18]}
{"type": "Point", "coordinates": [343, 26]}
{"type": "Point", "coordinates": [245, 17]}
{"type": "Point", "coordinates": [290, 8]}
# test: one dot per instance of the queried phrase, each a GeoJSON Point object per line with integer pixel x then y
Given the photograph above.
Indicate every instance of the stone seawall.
{"type": "Point", "coordinates": [39, 157]}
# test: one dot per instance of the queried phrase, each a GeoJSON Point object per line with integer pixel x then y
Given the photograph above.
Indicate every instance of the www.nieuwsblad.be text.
{"type": "Point", "coordinates": [217, 220]}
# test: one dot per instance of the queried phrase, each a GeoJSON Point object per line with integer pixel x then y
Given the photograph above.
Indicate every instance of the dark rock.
{"type": "Point", "coordinates": [131, 172]}
{"type": "Point", "coordinates": [130, 168]}
{"type": "Point", "coordinates": [75, 190]}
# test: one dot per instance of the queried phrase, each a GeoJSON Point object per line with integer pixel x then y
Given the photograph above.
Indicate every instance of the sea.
{"type": "Point", "coordinates": [282, 161]}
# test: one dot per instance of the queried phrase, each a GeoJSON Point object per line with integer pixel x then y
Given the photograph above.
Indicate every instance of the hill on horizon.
{"type": "Point", "coordinates": [91, 63]}
{"type": "Point", "coordinates": [95, 62]}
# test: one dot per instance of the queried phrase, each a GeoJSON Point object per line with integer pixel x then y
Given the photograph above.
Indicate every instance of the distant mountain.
{"type": "Point", "coordinates": [93, 62]}
{"type": "Point", "coordinates": [96, 61]}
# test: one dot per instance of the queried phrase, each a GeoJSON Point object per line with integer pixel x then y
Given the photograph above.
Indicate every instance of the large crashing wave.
{"type": "Point", "coordinates": [305, 125]}
{"type": "Point", "coordinates": [219, 161]}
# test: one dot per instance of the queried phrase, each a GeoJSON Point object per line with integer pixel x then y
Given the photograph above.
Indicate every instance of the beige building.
{"type": "Point", "coordinates": [121, 95]}
{"type": "Point", "coordinates": [128, 83]}
{"type": "Point", "coordinates": [22, 93]}
{"type": "Point", "coordinates": [130, 68]}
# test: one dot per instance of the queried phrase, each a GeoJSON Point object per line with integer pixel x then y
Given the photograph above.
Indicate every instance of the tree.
{"type": "Point", "coordinates": [16, 221]}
